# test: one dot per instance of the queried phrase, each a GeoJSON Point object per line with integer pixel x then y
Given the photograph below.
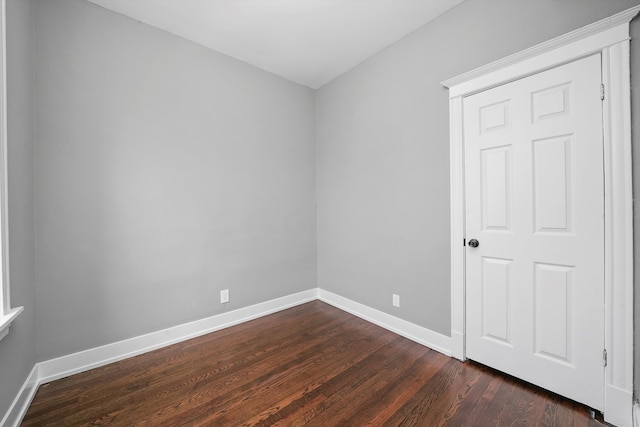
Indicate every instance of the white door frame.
{"type": "Point", "coordinates": [610, 38]}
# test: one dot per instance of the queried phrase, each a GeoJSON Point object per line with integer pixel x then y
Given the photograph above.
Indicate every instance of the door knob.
{"type": "Point", "coordinates": [474, 243]}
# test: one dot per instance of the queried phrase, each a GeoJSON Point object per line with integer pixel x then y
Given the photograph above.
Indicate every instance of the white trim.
{"type": "Point", "coordinates": [636, 414]}
{"type": "Point", "coordinates": [51, 370]}
{"type": "Point", "coordinates": [610, 38]}
{"type": "Point", "coordinates": [4, 284]}
{"type": "Point", "coordinates": [64, 366]}
{"type": "Point", "coordinates": [6, 319]}
{"type": "Point", "coordinates": [20, 405]}
{"type": "Point", "coordinates": [424, 336]}
{"type": "Point", "coordinates": [619, 406]}
{"type": "Point", "coordinates": [618, 236]}
{"type": "Point", "coordinates": [581, 42]}
{"type": "Point", "coordinates": [456, 149]}
{"type": "Point", "coordinates": [7, 315]}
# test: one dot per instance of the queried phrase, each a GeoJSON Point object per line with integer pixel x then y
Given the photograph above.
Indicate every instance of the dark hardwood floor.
{"type": "Point", "coordinates": [310, 365]}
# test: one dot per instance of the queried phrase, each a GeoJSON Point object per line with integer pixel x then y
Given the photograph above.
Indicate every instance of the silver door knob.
{"type": "Point", "coordinates": [474, 243]}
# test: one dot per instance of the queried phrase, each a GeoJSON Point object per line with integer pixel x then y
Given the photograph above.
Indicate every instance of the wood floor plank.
{"type": "Point", "coordinates": [311, 365]}
{"type": "Point", "coordinates": [155, 370]}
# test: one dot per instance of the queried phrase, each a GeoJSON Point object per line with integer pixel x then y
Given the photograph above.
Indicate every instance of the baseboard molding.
{"type": "Point", "coordinates": [619, 410]}
{"type": "Point", "coordinates": [623, 414]}
{"type": "Point", "coordinates": [21, 403]}
{"type": "Point", "coordinates": [424, 336]}
{"type": "Point", "coordinates": [50, 370]}
{"type": "Point", "coordinates": [64, 366]}
{"type": "Point", "coordinates": [71, 364]}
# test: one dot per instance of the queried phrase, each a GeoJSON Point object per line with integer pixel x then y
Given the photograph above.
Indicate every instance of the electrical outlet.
{"type": "Point", "coordinates": [224, 296]}
{"type": "Point", "coordinates": [396, 300]}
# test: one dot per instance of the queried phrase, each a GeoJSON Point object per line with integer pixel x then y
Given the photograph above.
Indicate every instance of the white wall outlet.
{"type": "Point", "coordinates": [396, 300]}
{"type": "Point", "coordinates": [224, 296]}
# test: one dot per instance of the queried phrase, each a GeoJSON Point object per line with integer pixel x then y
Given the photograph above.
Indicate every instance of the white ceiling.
{"type": "Point", "coordinates": [307, 41]}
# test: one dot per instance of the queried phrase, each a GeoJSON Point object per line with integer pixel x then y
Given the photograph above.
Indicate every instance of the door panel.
{"type": "Point", "coordinates": [534, 200]}
{"type": "Point", "coordinates": [496, 284]}
{"type": "Point", "coordinates": [496, 188]}
{"type": "Point", "coordinates": [553, 322]}
{"type": "Point", "coordinates": [552, 184]}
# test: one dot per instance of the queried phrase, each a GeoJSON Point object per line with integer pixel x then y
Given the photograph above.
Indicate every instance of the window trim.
{"type": "Point", "coordinates": [7, 314]}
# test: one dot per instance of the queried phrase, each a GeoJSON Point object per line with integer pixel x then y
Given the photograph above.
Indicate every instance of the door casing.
{"type": "Point", "coordinates": [610, 37]}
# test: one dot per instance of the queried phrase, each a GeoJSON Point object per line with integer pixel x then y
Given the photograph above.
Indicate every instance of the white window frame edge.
{"type": "Point", "coordinates": [610, 37]}
{"type": "Point", "coordinates": [7, 314]}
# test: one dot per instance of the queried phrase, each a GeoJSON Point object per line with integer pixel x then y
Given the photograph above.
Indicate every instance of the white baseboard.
{"type": "Point", "coordinates": [21, 403]}
{"type": "Point", "coordinates": [621, 414]}
{"type": "Point", "coordinates": [619, 409]}
{"type": "Point", "coordinates": [424, 336]}
{"type": "Point", "coordinates": [71, 364]}
{"type": "Point", "coordinates": [64, 366]}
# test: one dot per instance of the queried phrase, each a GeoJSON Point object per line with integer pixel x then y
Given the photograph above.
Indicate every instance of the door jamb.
{"type": "Point", "coordinates": [610, 38]}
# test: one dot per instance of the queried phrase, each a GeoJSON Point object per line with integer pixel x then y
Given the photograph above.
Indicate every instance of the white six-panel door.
{"type": "Point", "coordinates": [534, 202]}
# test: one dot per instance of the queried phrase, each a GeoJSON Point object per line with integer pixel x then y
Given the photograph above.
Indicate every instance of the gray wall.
{"type": "Point", "coordinates": [383, 152]}
{"type": "Point", "coordinates": [17, 350]}
{"type": "Point", "coordinates": [165, 173]}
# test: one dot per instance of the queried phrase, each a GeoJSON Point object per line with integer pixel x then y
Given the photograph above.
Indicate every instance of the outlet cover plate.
{"type": "Point", "coordinates": [224, 296]}
{"type": "Point", "coordinates": [396, 300]}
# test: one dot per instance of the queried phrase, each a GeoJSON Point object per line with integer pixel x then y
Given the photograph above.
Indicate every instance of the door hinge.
{"type": "Point", "coordinates": [604, 357]}
{"type": "Point", "coordinates": [602, 91]}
